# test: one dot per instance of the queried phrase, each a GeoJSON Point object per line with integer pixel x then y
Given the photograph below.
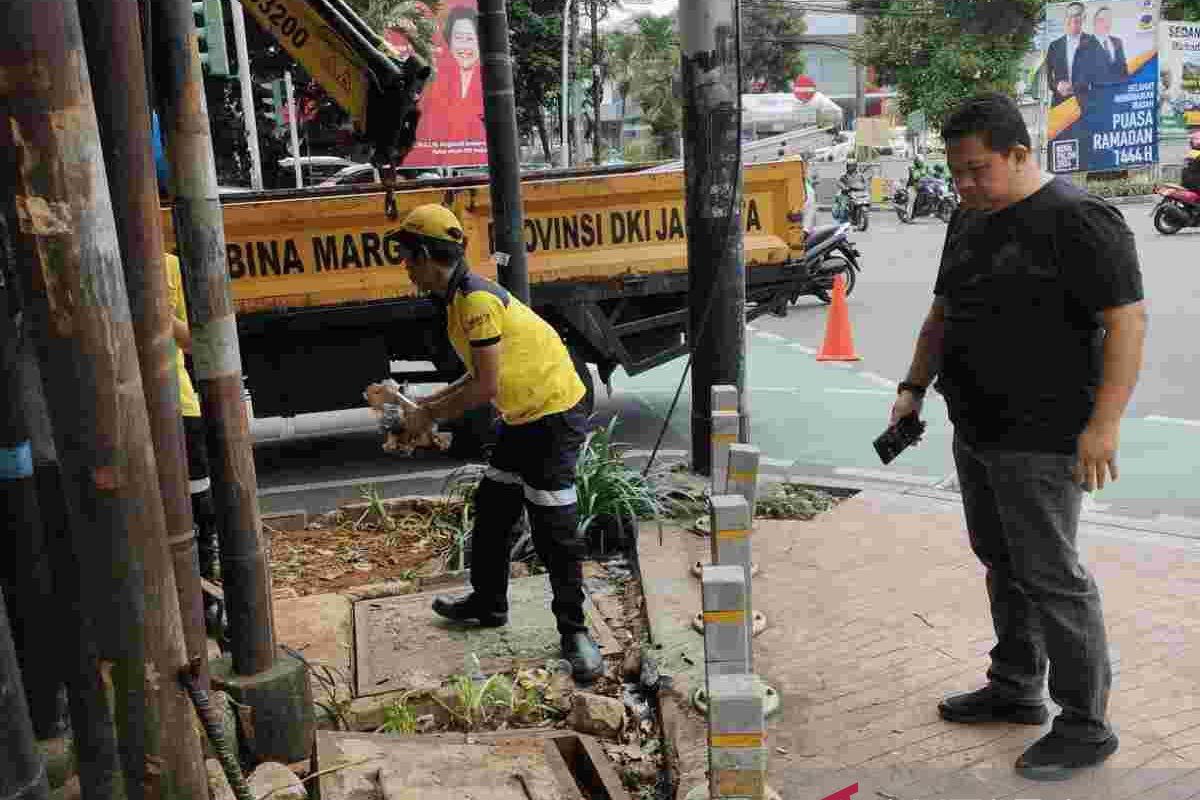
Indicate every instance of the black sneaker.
{"type": "Point", "coordinates": [987, 705]}
{"type": "Point", "coordinates": [1054, 757]}
{"type": "Point", "coordinates": [586, 662]}
{"type": "Point", "coordinates": [470, 607]}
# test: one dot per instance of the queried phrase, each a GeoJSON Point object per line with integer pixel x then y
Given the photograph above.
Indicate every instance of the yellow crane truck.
{"type": "Point", "coordinates": [325, 307]}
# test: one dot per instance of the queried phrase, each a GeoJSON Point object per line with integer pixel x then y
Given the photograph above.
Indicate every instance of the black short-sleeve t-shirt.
{"type": "Point", "coordinates": [1023, 290]}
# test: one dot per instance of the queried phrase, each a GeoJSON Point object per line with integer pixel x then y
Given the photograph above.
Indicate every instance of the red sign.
{"type": "Point", "coordinates": [804, 88]}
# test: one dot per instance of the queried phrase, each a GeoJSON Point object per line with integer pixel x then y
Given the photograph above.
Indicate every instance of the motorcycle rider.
{"type": "Point", "coordinates": [849, 182]}
{"type": "Point", "coordinates": [1191, 165]}
{"type": "Point", "coordinates": [916, 171]}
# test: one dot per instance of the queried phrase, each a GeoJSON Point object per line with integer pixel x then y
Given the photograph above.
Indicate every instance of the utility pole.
{"type": "Point", "coordinates": [70, 261]}
{"type": "Point", "coordinates": [277, 688]}
{"type": "Point", "coordinates": [249, 117]}
{"type": "Point", "coordinates": [577, 119]}
{"type": "Point", "coordinates": [710, 45]}
{"type": "Point", "coordinates": [292, 123]}
{"type": "Point", "coordinates": [564, 98]}
{"type": "Point", "coordinates": [26, 577]}
{"type": "Point", "coordinates": [860, 79]}
{"type": "Point", "coordinates": [22, 767]}
{"type": "Point", "coordinates": [113, 36]}
{"type": "Point", "coordinates": [596, 93]}
{"type": "Point", "coordinates": [504, 160]}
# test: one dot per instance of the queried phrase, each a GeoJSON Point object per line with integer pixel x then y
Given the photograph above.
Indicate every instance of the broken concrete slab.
{"type": "Point", "coordinates": [400, 643]}
{"type": "Point", "coordinates": [597, 715]}
{"type": "Point", "coordinates": [516, 765]}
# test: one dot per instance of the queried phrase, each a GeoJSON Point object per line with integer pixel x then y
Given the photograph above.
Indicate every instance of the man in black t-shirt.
{"type": "Point", "coordinates": [1035, 339]}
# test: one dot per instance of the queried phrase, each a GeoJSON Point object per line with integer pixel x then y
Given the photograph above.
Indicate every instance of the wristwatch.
{"type": "Point", "coordinates": [916, 388]}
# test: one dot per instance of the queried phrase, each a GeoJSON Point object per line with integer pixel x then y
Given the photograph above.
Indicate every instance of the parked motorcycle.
{"type": "Point", "coordinates": [828, 252]}
{"type": "Point", "coordinates": [1179, 208]}
{"type": "Point", "coordinates": [853, 206]}
{"type": "Point", "coordinates": [935, 198]}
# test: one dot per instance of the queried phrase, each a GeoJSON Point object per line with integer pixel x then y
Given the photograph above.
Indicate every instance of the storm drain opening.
{"type": "Point", "coordinates": [584, 760]}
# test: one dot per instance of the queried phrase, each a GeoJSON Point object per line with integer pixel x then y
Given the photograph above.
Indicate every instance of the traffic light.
{"type": "Point", "coordinates": [210, 29]}
{"type": "Point", "coordinates": [269, 97]}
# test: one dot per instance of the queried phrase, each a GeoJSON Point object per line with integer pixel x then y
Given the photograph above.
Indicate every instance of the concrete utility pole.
{"type": "Point", "coordinates": [278, 688]}
{"type": "Point", "coordinates": [69, 256]}
{"type": "Point", "coordinates": [504, 155]}
{"type": "Point", "coordinates": [709, 39]}
{"type": "Point", "coordinates": [596, 93]}
{"type": "Point", "coordinates": [293, 126]}
{"type": "Point", "coordinates": [249, 118]}
{"type": "Point", "coordinates": [860, 79]}
{"type": "Point", "coordinates": [564, 99]}
{"type": "Point", "coordinates": [578, 156]}
{"type": "Point", "coordinates": [113, 36]}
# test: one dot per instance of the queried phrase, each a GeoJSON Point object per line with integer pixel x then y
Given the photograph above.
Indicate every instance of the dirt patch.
{"type": "Point", "coordinates": [355, 546]}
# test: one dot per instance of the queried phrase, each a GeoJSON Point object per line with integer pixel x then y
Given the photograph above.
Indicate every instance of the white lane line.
{"type": "Point", "coordinates": [803, 348]}
{"type": "Point", "coordinates": [784, 464]}
{"type": "Point", "coordinates": [879, 380]}
{"type": "Point", "coordinates": [363, 481]}
{"type": "Point", "coordinates": [1194, 423]}
{"type": "Point", "coordinates": [770, 337]}
{"type": "Point", "coordinates": [876, 392]}
{"type": "Point", "coordinates": [878, 474]}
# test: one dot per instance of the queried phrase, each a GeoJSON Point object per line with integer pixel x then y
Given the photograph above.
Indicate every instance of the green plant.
{"type": "Point", "coordinates": [399, 717]}
{"type": "Point", "coordinates": [793, 501]}
{"type": "Point", "coordinates": [606, 487]}
{"type": "Point", "coordinates": [330, 680]}
{"type": "Point", "coordinates": [1121, 188]}
{"type": "Point", "coordinates": [474, 700]}
{"type": "Point", "coordinates": [376, 506]}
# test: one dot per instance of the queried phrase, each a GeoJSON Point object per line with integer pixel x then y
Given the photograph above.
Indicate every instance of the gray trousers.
{"type": "Point", "coordinates": [1022, 513]}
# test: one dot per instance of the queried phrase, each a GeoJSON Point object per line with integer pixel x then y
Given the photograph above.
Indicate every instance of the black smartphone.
{"type": "Point", "coordinates": [896, 438]}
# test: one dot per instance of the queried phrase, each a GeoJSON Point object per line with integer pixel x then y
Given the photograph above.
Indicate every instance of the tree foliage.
{"type": "Point", "coordinates": [651, 70]}
{"type": "Point", "coordinates": [535, 40]}
{"type": "Point", "coordinates": [938, 53]}
{"type": "Point", "coordinates": [1181, 10]}
{"type": "Point", "coordinates": [772, 53]}
{"type": "Point", "coordinates": [416, 18]}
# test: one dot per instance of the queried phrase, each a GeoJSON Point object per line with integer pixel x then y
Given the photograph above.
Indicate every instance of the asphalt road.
{"type": "Point", "coordinates": [818, 419]}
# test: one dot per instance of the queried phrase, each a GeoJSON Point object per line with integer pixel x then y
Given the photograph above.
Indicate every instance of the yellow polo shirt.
{"type": "Point", "coordinates": [189, 403]}
{"type": "Point", "coordinates": [537, 377]}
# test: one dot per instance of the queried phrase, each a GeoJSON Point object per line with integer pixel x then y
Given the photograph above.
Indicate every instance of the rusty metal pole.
{"type": "Point", "coordinates": [69, 258]}
{"type": "Point", "coordinates": [215, 353]}
{"type": "Point", "coordinates": [112, 34]}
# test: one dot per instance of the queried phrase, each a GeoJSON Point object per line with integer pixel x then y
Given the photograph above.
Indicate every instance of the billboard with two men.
{"type": "Point", "coordinates": [1100, 65]}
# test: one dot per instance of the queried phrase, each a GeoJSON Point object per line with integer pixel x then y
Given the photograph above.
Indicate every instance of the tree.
{"type": "Point", "coordinates": [535, 41]}
{"type": "Point", "coordinates": [1188, 10]}
{"type": "Point", "coordinates": [772, 52]}
{"type": "Point", "coordinates": [923, 48]}
{"type": "Point", "coordinates": [620, 65]}
{"type": "Point", "coordinates": [417, 19]}
{"type": "Point", "coordinates": [656, 66]}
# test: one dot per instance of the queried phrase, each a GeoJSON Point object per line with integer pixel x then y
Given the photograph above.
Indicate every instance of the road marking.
{"type": "Point", "coordinates": [878, 474]}
{"type": "Point", "coordinates": [803, 348]}
{"type": "Point", "coordinates": [784, 464]}
{"type": "Point", "coordinates": [879, 380]}
{"type": "Point", "coordinates": [1194, 423]}
{"type": "Point", "coordinates": [876, 392]}
{"type": "Point", "coordinates": [363, 481]}
{"type": "Point", "coordinates": [770, 337]}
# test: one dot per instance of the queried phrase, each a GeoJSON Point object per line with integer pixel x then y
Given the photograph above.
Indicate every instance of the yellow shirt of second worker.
{"type": "Point", "coordinates": [189, 403]}
{"type": "Point", "coordinates": [537, 377]}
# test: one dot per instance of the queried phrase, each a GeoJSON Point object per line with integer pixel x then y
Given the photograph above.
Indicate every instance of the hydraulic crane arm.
{"type": "Point", "coordinates": [358, 69]}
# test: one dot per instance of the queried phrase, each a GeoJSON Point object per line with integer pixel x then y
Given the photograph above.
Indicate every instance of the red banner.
{"type": "Point", "coordinates": [451, 132]}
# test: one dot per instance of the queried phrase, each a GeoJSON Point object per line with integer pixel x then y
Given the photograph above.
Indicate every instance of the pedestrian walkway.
{"type": "Point", "coordinates": [878, 609]}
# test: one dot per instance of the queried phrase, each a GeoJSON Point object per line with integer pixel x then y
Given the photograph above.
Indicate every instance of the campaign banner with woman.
{"type": "Point", "coordinates": [1179, 87]}
{"type": "Point", "coordinates": [451, 131]}
{"type": "Point", "coordinates": [1101, 70]}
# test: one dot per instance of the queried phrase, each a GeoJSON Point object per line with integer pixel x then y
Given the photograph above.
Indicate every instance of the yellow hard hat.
{"type": "Point", "coordinates": [433, 222]}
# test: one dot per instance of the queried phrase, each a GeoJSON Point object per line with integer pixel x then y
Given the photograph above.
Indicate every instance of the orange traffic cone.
{"type": "Point", "coordinates": [839, 341]}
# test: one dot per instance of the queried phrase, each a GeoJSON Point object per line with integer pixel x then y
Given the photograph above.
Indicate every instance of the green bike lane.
{"type": "Point", "coordinates": [819, 418]}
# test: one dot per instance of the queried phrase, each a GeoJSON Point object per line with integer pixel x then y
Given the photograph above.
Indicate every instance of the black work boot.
{"type": "Point", "coordinates": [1054, 757]}
{"type": "Point", "coordinates": [989, 705]}
{"type": "Point", "coordinates": [586, 662]}
{"type": "Point", "coordinates": [471, 607]}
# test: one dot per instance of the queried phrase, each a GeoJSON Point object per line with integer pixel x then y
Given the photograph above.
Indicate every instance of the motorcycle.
{"type": "Point", "coordinates": [1179, 208]}
{"type": "Point", "coordinates": [853, 206]}
{"type": "Point", "coordinates": [935, 198]}
{"type": "Point", "coordinates": [828, 252]}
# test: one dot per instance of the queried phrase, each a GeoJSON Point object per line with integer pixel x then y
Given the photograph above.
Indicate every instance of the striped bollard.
{"type": "Point", "coordinates": [741, 473]}
{"type": "Point", "coordinates": [731, 526]}
{"type": "Point", "coordinates": [724, 434]}
{"type": "Point", "coordinates": [726, 640]}
{"type": "Point", "coordinates": [737, 747]}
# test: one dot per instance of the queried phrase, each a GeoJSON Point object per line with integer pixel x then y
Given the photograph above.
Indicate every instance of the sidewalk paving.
{"type": "Point", "coordinates": [878, 609]}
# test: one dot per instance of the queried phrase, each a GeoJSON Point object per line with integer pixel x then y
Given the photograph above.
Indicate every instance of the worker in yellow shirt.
{"type": "Point", "coordinates": [517, 362]}
{"type": "Point", "coordinates": [199, 484]}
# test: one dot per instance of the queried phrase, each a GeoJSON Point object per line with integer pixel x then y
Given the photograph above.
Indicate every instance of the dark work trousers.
{"type": "Point", "coordinates": [533, 467]}
{"type": "Point", "coordinates": [204, 513]}
{"type": "Point", "coordinates": [1022, 512]}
